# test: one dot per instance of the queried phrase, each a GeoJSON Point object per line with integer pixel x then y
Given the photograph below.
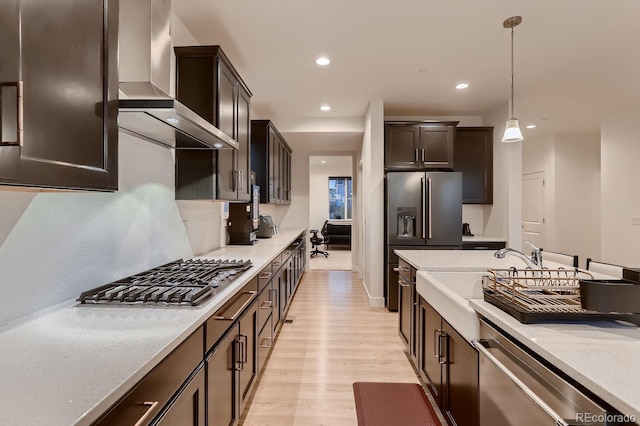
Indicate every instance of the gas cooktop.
{"type": "Point", "coordinates": [181, 283]}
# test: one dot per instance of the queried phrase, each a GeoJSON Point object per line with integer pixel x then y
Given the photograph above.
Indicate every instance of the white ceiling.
{"type": "Point", "coordinates": [575, 60]}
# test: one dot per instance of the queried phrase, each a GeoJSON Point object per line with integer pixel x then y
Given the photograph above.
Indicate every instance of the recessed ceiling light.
{"type": "Point", "coordinates": [323, 61]}
{"type": "Point", "coordinates": [217, 145]}
{"type": "Point", "coordinates": [172, 120]}
{"type": "Point", "coordinates": [323, 161]}
{"type": "Point", "coordinates": [531, 126]}
{"type": "Point", "coordinates": [325, 108]}
{"type": "Point", "coordinates": [461, 86]}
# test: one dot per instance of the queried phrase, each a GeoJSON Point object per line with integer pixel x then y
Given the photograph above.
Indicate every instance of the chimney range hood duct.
{"type": "Point", "coordinates": [145, 108]}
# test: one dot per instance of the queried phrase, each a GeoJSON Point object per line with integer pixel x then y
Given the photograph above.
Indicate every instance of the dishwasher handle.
{"type": "Point", "coordinates": [480, 346]}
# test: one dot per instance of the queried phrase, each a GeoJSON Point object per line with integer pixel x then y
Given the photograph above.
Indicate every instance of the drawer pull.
{"type": "Point", "coordinates": [239, 311]}
{"type": "Point", "coordinates": [265, 276]}
{"type": "Point", "coordinates": [267, 304]}
{"type": "Point", "coordinates": [265, 345]}
{"type": "Point", "coordinates": [147, 414]}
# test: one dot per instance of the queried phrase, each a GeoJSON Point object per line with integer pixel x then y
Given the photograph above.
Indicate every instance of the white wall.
{"type": "Point", "coordinates": [373, 203]}
{"type": "Point", "coordinates": [571, 162]}
{"type": "Point", "coordinates": [67, 242]}
{"type": "Point", "coordinates": [620, 176]}
{"type": "Point", "coordinates": [504, 217]}
{"type": "Point", "coordinates": [319, 186]}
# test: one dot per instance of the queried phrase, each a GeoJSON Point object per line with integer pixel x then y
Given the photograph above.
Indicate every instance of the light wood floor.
{"type": "Point", "coordinates": [335, 339]}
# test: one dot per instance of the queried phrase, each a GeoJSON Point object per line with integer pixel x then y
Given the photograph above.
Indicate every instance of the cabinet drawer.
{"type": "Point", "coordinates": [223, 319]}
{"type": "Point", "coordinates": [265, 343]}
{"type": "Point", "coordinates": [265, 306]}
{"type": "Point", "coordinates": [264, 278]}
{"type": "Point", "coordinates": [153, 392]}
{"type": "Point", "coordinates": [276, 263]}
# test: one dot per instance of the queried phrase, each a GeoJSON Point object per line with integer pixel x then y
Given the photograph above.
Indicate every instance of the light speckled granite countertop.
{"type": "Point", "coordinates": [70, 363]}
{"type": "Point", "coordinates": [602, 356]}
{"type": "Point", "coordinates": [483, 239]}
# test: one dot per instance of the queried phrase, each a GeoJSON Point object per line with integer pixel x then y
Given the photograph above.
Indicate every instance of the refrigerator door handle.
{"type": "Point", "coordinates": [424, 207]}
{"type": "Point", "coordinates": [429, 189]}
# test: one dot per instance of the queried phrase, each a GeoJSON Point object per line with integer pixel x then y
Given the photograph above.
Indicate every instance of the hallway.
{"type": "Point", "coordinates": [335, 339]}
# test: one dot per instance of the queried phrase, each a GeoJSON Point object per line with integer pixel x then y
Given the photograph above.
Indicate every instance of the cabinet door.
{"type": "Point", "coordinates": [473, 156]}
{"type": "Point", "coordinates": [222, 391]}
{"type": "Point", "coordinates": [460, 381]}
{"type": "Point", "coordinates": [243, 153]}
{"type": "Point", "coordinates": [436, 146]}
{"type": "Point", "coordinates": [277, 305]}
{"type": "Point", "coordinates": [227, 171]}
{"type": "Point", "coordinates": [248, 352]}
{"type": "Point", "coordinates": [188, 408]}
{"type": "Point", "coordinates": [429, 359]}
{"type": "Point", "coordinates": [401, 146]}
{"type": "Point", "coordinates": [287, 178]}
{"type": "Point", "coordinates": [69, 90]}
{"type": "Point", "coordinates": [404, 306]}
{"type": "Point", "coordinates": [274, 166]}
{"type": "Point", "coordinates": [415, 315]}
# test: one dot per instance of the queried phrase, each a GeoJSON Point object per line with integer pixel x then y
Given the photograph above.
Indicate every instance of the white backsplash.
{"type": "Point", "coordinates": [61, 243]}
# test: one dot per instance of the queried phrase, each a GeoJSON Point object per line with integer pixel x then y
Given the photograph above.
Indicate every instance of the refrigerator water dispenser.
{"type": "Point", "coordinates": [406, 223]}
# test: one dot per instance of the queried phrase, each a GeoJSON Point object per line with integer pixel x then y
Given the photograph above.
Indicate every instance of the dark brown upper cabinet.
{"type": "Point", "coordinates": [271, 162]}
{"type": "Point", "coordinates": [59, 95]}
{"type": "Point", "coordinates": [207, 83]}
{"type": "Point", "coordinates": [419, 146]}
{"type": "Point", "coordinates": [473, 156]}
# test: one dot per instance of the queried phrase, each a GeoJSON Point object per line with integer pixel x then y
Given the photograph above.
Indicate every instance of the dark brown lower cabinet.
{"type": "Point", "coordinates": [449, 365]}
{"type": "Point", "coordinates": [221, 381]}
{"type": "Point", "coordinates": [248, 367]}
{"type": "Point", "coordinates": [188, 408]}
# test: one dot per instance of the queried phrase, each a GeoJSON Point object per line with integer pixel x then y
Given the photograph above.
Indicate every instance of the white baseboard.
{"type": "Point", "coordinates": [374, 302]}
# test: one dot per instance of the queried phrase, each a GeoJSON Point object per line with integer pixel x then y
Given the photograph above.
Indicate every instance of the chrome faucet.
{"type": "Point", "coordinates": [535, 261]}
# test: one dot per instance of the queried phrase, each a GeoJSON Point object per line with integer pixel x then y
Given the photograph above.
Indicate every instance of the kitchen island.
{"type": "Point", "coordinates": [600, 356]}
{"type": "Point", "coordinates": [70, 363]}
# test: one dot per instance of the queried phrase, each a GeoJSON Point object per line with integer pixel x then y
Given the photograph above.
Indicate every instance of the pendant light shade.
{"type": "Point", "coordinates": [512, 131]}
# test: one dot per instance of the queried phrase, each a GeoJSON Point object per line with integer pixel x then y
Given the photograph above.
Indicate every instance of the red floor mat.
{"type": "Point", "coordinates": [393, 404]}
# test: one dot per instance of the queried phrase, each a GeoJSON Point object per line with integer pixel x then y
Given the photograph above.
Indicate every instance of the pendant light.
{"type": "Point", "coordinates": [512, 131]}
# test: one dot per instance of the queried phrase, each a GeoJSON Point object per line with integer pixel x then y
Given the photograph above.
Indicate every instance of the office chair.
{"type": "Point", "coordinates": [316, 241]}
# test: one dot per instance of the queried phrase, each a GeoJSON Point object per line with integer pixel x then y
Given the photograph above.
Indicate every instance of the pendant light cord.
{"type": "Point", "coordinates": [512, 70]}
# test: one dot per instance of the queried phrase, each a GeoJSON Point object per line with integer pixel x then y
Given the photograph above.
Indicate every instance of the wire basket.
{"type": "Point", "coordinates": [537, 290]}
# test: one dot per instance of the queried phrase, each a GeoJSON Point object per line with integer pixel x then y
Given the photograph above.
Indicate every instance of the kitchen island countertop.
{"type": "Point", "coordinates": [70, 363]}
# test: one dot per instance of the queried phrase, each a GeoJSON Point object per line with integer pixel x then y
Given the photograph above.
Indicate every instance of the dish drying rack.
{"type": "Point", "coordinates": [537, 290]}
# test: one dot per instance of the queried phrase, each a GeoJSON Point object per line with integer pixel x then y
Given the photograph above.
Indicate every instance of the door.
{"type": "Point", "coordinates": [460, 385]}
{"type": "Point", "coordinates": [405, 218]}
{"type": "Point", "coordinates": [443, 207]}
{"type": "Point", "coordinates": [430, 349]}
{"type": "Point", "coordinates": [248, 351]}
{"type": "Point", "coordinates": [436, 146]}
{"type": "Point", "coordinates": [227, 172]}
{"type": "Point", "coordinates": [242, 137]}
{"type": "Point", "coordinates": [188, 408]}
{"type": "Point", "coordinates": [404, 305]}
{"type": "Point", "coordinates": [534, 209]}
{"type": "Point", "coordinates": [222, 394]}
{"type": "Point", "coordinates": [401, 146]}
{"type": "Point", "coordinates": [59, 95]}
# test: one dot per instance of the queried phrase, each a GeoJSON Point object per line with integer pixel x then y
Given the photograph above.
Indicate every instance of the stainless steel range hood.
{"type": "Point", "coordinates": [145, 108]}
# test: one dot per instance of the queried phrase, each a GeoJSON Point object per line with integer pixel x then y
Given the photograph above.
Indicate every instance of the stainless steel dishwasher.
{"type": "Point", "coordinates": [517, 389]}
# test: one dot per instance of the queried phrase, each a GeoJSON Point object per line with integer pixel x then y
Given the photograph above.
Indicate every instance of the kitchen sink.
{"type": "Point", "coordinates": [449, 293]}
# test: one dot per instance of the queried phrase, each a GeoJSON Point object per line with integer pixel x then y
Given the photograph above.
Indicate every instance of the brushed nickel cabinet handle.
{"type": "Point", "coordinates": [239, 354]}
{"type": "Point", "coordinates": [20, 113]}
{"type": "Point", "coordinates": [147, 414]}
{"type": "Point", "coordinates": [422, 154]}
{"type": "Point", "coordinates": [396, 269]}
{"type": "Point", "coordinates": [265, 276]}
{"type": "Point", "coordinates": [265, 346]}
{"type": "Point", "coordinates": [267, 304]}
{"type": "Point", "coordinates": [430, 208]}
{"type": "Point", "coordinates": [415, 155]}
{"type": "Point", "coordinates": [436, 342]}
{"type": "Point", "coordinates": [239, 311]}
{"type": "Point", "coordinates": [442, 359]}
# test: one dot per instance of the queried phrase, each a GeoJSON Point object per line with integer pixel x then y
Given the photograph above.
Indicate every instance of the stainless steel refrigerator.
{"type": "Point", "coordinates": [423, 211]}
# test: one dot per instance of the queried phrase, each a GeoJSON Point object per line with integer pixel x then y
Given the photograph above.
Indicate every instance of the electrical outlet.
{"type": "Point", "coordinates": [635, 220]}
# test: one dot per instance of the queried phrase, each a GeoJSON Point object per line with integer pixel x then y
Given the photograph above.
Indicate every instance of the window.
{"type": "Point", "coordinates": [339, 198]}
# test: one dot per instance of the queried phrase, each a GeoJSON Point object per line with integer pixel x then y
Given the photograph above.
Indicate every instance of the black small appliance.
{"type": "Point", "coordinates": [244, 220]}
